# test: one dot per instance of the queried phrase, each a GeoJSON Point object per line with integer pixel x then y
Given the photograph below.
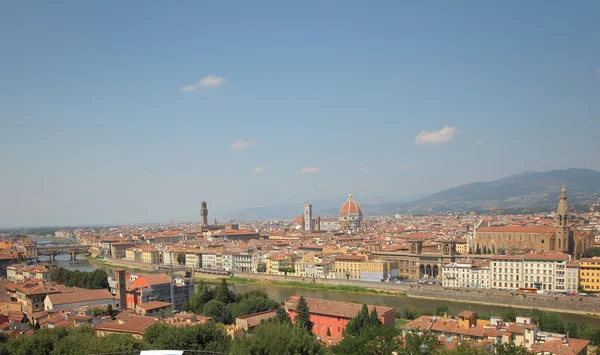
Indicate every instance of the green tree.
{"type": "Point", "coordinates": [442, 309]}
{"type": "Point", "coordinates": [218, 311]}
{"type": "Point", "coordinates": [278, 338]}
{"type": "Point", "coordinates": [282, 316]}
{"type": "Point", "coordinates": [413, 342]}
{"type": "Point", "coordinates": [358, 323]}
{"type": "Point", "coordinates": [595, 337]}
{"type": "Point", "coordinates": [203, 337]}
{"type": "Point", "coordinates": [374, 317]}
{"type": "Point", "coordinates": [464, 348]}
{"type": "Point", "coordinates": [478, 250]}
{"type": "Point", "coordinates": [224, 295]}
{"type": "Point", "coordinates": [261, 268]}
{"type": "Point", "coordinates": [185, 307]}
{"type": "Point", "coordinates": [591, 252]}
{"type": "Point", "coordinates": [109, 310]}
{"type": "Point", "coordinates": [251, 305]}
{"type": "Point", "coordinates": [372, 340]}
{"type": "Point", "coordinates": [181, 258]}
{"type": "Point", "coordinates": [202, 296]}
{"type": "Point", "coordinates": [303, 315]}
{"type": "Point", "coordinates": [410, 312]}
{"type": "Point", "coordinates": [510, 349]}
{"type": "Point", "coordinates": [510, 315]}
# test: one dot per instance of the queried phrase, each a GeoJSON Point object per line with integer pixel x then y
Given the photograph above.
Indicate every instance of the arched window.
{"type": "Point", "coordinates": [559, 244]}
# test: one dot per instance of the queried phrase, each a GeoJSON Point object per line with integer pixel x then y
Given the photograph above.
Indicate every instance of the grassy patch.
{"type": "Point", "coordinates": [314, 286]}
{"type": "Point", "coordinates": [400, 322]}
{"type": "Point", "coordinates": [101, 262]}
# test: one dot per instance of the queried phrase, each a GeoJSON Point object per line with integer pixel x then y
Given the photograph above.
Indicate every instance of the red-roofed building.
{"type": "Point", "coordinates": [335, 315]}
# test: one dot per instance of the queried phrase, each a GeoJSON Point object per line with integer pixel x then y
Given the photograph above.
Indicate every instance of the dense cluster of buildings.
{"type": "Point", "coordinates": [505, 252]}
{"type": "Point", "coordinates": [466, 327]}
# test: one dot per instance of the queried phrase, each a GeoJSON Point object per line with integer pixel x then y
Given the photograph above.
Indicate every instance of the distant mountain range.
{"type": "Point", "coordinates": [529, 190]}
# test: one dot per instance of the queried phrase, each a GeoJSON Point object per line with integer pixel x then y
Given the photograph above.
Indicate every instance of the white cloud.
{"type": "Point", "coordinates": [480, 142]}
{"type": "Point", "coordinates": [242, 144]}
{"type": "Point", "coordinates": [210, 81]}
{"type": "Point", "coordinates": [307, 170]}
{"type": "Point", "coordinates": [258, 170]}
{"type": "Point", "coordinates": [408, 166]}
{"type": "Point", "coordinates": [364, 168]}
{"type": "Point", "coordinates": [444, 135]}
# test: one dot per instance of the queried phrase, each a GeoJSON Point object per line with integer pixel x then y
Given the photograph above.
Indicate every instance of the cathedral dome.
{"type": "Point", "coordinates": [298, 220]}
{"type": "Point", "coordinates": [350, 208]}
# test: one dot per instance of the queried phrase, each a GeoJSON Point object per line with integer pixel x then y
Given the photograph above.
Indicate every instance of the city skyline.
{"type": "Point", "coordinates": [117, 113]}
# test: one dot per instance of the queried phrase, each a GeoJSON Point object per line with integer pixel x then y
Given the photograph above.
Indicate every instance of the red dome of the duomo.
{"type": "Point", "coordinates": [350, 208]}
{"type": "Point", "coordinates": [298, 220]}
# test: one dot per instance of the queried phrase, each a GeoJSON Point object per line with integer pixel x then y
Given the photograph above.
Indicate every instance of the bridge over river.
{"type": "Point", "coordinates": [52, 250]}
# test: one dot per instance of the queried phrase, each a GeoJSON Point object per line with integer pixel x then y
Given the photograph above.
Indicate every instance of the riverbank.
{"type": "Point", "coordinates": [115, 264]}
{"type": "Point", "coordinates": [588, 306]}
{"type": "Point", "coordinates": [315, 286]}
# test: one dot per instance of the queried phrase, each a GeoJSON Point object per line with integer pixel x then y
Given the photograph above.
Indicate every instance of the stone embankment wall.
{"type": "Point", "coordinates": [561, 303]}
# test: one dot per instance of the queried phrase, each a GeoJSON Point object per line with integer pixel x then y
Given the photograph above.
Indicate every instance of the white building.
{"type": "Point", "coordinates": [572, 280]}
{"type": "Point", "coordinates": [547, 271]}
{"type": "Point", "coordinates": [544, 271]}
{"type": "Point", "coordinates": [193, 259]}
{"type": "Point", "coordinates": [467, 273]}
{"type": "Point", "coordinates": [243, 262]}
{"type": "Point", "coordinates": [227, 261]}
{"type": "Point", "coordinates": [209, 260]}
{"type": "Point", "coordinates": [507, 272]}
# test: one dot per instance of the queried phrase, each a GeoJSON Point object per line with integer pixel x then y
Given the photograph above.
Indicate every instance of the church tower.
{"type": "Point", "coordinates": [562, 222]}
{"type": "Point", "coordinates": [308, 220]}
{"type": "Point", "coordinates": [204, 213]}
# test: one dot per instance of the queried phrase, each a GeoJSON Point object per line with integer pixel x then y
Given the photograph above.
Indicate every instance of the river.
{"type": "Point", "coordinates": [64, 260]}
{"type": "Point", "coordinates": [280, 293]}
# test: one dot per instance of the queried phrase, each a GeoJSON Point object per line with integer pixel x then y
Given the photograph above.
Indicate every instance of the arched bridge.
{"type": "Point", "coordinates": [72, 249]}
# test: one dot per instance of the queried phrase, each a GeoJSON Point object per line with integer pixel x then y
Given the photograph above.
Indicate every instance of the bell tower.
{"type": "Point", "coordinates": [204, 213]}
{"type": "Point", "coordinates": [562, 222]}
{"type": "Point", "coordinates": [308, 219]}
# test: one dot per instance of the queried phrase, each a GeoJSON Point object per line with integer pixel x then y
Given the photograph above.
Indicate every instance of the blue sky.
{"type": "Point", "coordinates": [117, 112]}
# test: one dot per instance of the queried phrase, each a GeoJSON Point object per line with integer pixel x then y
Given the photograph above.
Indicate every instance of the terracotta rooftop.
{"type": "Point", "coordinates": [149, 306]}
{"type": "Point", "coordinates": [525, 229]}
{"type": "Point", "coordinates": [82, 296]}
{"type": "Point", "coordinates": [131, 324]}
{"type": "Point", "coordinates": [335, 308]}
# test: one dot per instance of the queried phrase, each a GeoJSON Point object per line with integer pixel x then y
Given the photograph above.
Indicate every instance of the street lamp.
{"type": "Point", "coordinates": [424, 348]}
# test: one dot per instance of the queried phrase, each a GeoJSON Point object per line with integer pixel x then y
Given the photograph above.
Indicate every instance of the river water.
{"type": "Point", "coordinates": [280, 293]}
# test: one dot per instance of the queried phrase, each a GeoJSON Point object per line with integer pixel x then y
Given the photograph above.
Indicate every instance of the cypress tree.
{"type": "Point", "coordinates": [374, 318]}
{"type": "Point", "coordinates": [303, 315]}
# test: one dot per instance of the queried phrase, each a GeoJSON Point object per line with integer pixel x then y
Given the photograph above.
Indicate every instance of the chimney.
{"type": "Point", "coordinates": [121, 286]}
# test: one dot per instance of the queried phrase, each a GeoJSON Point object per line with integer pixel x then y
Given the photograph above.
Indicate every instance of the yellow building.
{"type": "Point", "coordinates": [348, 267]}
{"type": "Point", "coordinates": [378, 270]}
{"type": "Point", "coordinates": [462, 246]}
{"type": "Point", "coordinates": [277, 262]}
{"type": "Point", "coordinates": [133, 254]}
{"type": "Point", "coordinates": [589, 274]}
{"type": "Point", "coordinates": [151, 256]}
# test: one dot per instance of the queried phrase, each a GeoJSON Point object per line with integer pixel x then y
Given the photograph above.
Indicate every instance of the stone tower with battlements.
{"type": "Point", "coordinates": [562, 223]}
